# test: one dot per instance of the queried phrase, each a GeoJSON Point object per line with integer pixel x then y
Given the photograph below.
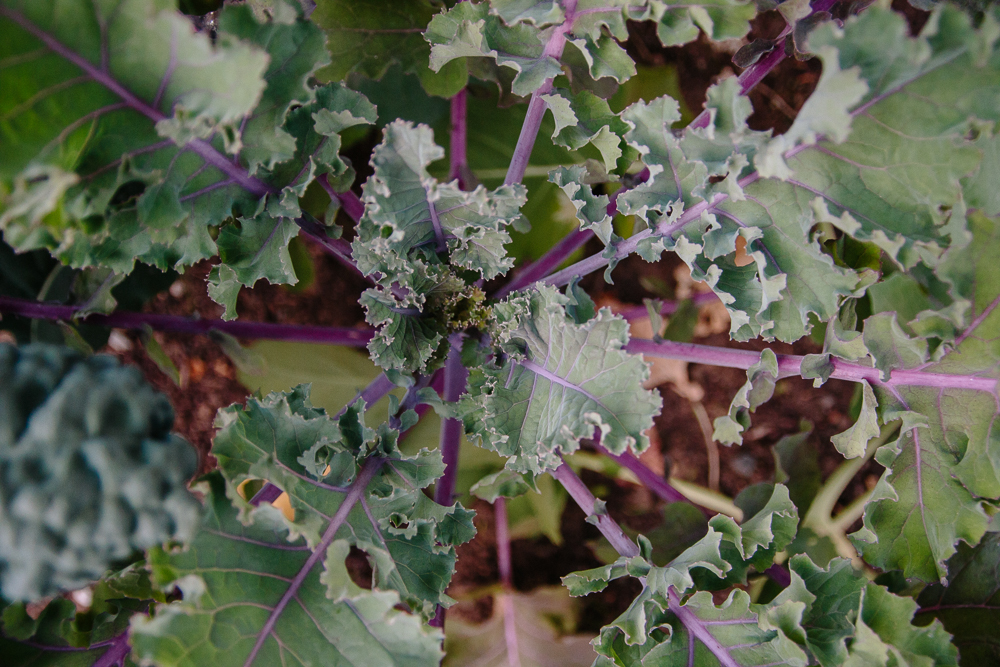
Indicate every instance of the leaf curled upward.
{"type": "Point", "coordinates": [563, 378]}
{"type": "Point", "coordinates": [271, 590]}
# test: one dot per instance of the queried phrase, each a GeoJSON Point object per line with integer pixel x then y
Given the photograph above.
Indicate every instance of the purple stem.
{"type": "Point", "coordinates": [656, 483]}
{"type": "Point", "coordinates": [339, 248]}
{"type": "Point", "coordinates": [354, 493]}
{"type": "Point", "coordinates": [457, 151]}
{"type": "Point", "coordinates": [579, 492]}
{"type": "Point", "coordinates": [352, 205]}
{"type": "Point", "coordinates": [503, 543]}
{"type": "Point", "coordinates": [130, 320]}
{"type": "Point", "coordinates": [699, 630]}
{"type": "Point", "coordinates": [791, 364]}
{"type": "Point", "coordinates": [668, 307]}
{"type": "Point", "coordinates": [115, 655]}
{"type": "Point", "coordinates": [755, 73]}
{"type": "Point", "coordinates": [455, 375]}
{"type": "Point", "coordinates": [547, 262]}
{"type": "Point", "coordinates": [779, 575]}
{"type": "Point", "coordinates": [372, 394]}
{"type": "Point", "coordinates": [537, 106]}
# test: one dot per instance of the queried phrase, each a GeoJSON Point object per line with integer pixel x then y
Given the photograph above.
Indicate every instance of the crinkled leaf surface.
{"type": "Point", "coordinates": [410, 540]}
{"type": "Point", "coordinates": [233, 579]}
{"type": "Point", "coordinates": [679, 23]}
{"type": "Point", "coordinates": [562, 380]}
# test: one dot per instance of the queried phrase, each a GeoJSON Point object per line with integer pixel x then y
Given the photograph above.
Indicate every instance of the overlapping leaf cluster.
{"type": "Point", "coordinates": [108, 160]}
{"type": "Point", "coordinates": [247, 575]}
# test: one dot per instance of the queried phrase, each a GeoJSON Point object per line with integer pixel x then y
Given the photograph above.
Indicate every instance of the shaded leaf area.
{"type": "Point", "coordinates": [410, 540]}
{"type": "Point", "coordinates": [511, 43]}
{"type": "Point", "coordinates": [130, 136]}
{"type": "Point", "coordinates": [233, 578]}
{"type": "Point", "coordinates": [530, 629]}
{"type": "Point", "coordinates": [827, 616]}
{"type": "Point", "coordinates": [564, 377]}
{"type": "Point", "coordinates": [59, 635]}
{"type": "Point", "coordinates": [426, 243]}
{"type": "Point", "coordinates": [367, 38]}
{"type": "Point", "coordinates": [969, 603]}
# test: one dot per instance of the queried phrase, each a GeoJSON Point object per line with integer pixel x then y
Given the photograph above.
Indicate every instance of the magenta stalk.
{"type": "Point", "coordinates": [579, 492]}
{"type": "Point", "coordinates": [791, 364]}
{"type": "Point", "coordinates": [190, 325]}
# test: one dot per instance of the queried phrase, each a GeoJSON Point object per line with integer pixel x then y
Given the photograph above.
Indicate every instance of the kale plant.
{"type": "Point", "coordinates": [136, 139]}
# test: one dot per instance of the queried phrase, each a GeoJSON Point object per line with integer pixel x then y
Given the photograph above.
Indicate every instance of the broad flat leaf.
{"type": "Point", "coordinates": [851, 443]}
{"type": "Point", "coordinates": [945, 461]}
{"type": "Point", "coordinates": [843, 619]}
{"type": "Point", "coordinates": [64, 159]}
{"type": "Point", "coordinates": [969, 604]}
{"type": "Point", "coordinates": [719, 19]}
{"type": "Point", "coordinates": [699, 634]}
{"type": "Point", "coordinates": [369, 37]}
{"type": "Point", "coordinates": [562, 380]}
{"type": "Point", "coordinates": [234, 578]}
{"type": "Point", "coordinates": [543, 621]}
{"type": "Point", "coordinates": [409, 539]}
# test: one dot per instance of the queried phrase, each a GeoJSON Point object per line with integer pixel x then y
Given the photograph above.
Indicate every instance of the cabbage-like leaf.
{"type": "Point", "coordinates": [253, 594]}
{"type": "Point", "coordinates": [945, 461]}
{"type": "Point", "coordinates": [757, 390]}
{"type": "Point", "coordinates": [563, 379]}
{"type": "Point", "coordinates": [284, 440]}
{"type": "Point", "coordinates": [425, 243]}
{"type": "Point", "coordinates": [89, 471]}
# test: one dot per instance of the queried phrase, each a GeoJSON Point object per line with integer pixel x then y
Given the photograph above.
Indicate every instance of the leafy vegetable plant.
{"type": "Point", "coordinates": [136, 141]}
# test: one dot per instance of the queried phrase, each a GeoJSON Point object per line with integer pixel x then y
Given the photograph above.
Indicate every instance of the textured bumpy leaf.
{"type": "Point", "coordinates": [409, 539]}
{"type": "Point", "coordinates": [969, 604]}
{"type": "Point", "coordinates": [516, 36]}
{"type": "Point", "coordinates": [945, 461]}
{"type": "Point", "coordinates": [234, 578]}
{"type": "Point", "coordinates": [563, 379]}
{"type": "Point", "coordinates": [121, 118]}
{"type": "Point", "coordinates": [415, 235]}
{"type": "Point", "coordinates": [89, 472]}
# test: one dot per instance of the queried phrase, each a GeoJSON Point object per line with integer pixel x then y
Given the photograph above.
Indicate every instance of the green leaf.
{"type": "Point", "coordinates": [369, 37]}
{"type": "Point", "coordinates": [591, 209]}
{"type": "Point", "coordinates": [233, 578]}
{"type": "Point", "coordinates": [944, 463]}
{"type": "Point", "coordinates": [284, 440]}
{"type": "Point", "coordinates": [969, 604]}
{"type": "Point", "coordinates": [719, 19]}
{"type": "Point", "coordinates": [562, 381]}
{"type": "Point", "coordinates": [757, 390]}
{"type": "Point", "coordinates": [469, 30]}
{"type": "Point", "coordinates": [91, 472]}
{"type": "Point", "coordinates": [90, 175]}
{"type": "Point", "coordinates": [541, 624]}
